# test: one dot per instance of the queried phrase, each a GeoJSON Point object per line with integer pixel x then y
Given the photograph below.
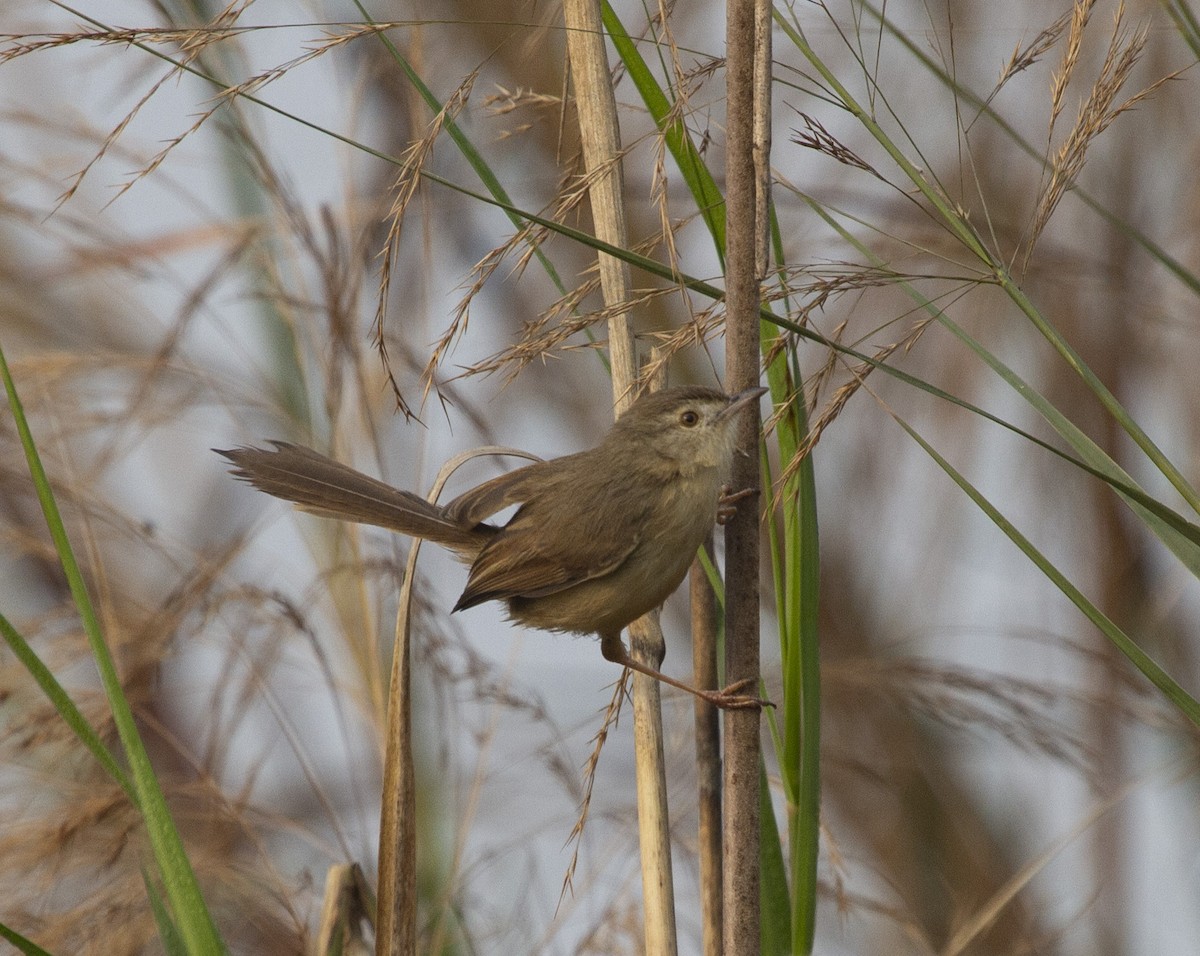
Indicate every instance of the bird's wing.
{"type": "Point", "coordinates": [559, 537]}
{"type": "Point", "coordinates": [480, 503]}
{"type": "Point", "coordinates": [504, 572]}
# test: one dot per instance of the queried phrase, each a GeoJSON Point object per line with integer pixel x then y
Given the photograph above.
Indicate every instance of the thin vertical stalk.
{"type": "Point", "coordinates": [708, 753]}
{"type": "Point", "coordinates": [741, 836]}
{"type": "Point", "coordinates": [597, 107]}
{"type": "Point", "coordinates": [596, 104]}
{"type": "Point", "coordinates": [396, 910]}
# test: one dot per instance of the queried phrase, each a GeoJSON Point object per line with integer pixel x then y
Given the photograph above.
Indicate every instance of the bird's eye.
{"type": "Point", "coordinates": [689, 419]}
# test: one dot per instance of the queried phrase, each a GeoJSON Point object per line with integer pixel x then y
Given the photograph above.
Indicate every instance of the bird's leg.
{"type": "Point", "coordinates": [728, 698]}
{"type": "Point", "coordinates": [728, 499]}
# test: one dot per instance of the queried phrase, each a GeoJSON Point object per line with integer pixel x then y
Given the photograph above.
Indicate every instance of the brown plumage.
{"type": "Point", "coordinates": [599, 538]}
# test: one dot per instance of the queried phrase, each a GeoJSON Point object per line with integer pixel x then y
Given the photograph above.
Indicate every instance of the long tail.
{"type": "Point", "coordinates": [330, 489]}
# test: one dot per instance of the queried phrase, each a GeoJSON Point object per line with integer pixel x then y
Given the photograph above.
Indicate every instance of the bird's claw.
{"type": "Point", "coordinates": [730, 698]}
{"type": "Point", "coordinates": [727, 502]}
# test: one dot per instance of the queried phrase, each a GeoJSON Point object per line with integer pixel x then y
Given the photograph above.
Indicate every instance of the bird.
{"type": "Point", "coordinates": [598, 539]}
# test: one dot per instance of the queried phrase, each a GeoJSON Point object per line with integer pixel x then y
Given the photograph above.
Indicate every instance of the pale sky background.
{"type": "Point", "coordinates": [953, 592]}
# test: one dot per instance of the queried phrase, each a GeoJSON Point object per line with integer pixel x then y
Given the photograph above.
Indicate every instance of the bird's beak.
{"type": "Point", "coordinates": [741, 400]}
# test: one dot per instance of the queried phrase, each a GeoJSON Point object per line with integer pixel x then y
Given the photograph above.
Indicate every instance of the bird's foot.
{"type": "Point", "coordinates": [727, 502]}
{"type": "Point", "coordinates": [731, 698]}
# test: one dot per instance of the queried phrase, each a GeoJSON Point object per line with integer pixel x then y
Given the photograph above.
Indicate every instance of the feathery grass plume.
{"type": "Point", "coordinates": [558, 328]}
{"type": "Point", "coordinates": [612, 714]}
{"type": "Point", "coordinates": [191, 42]}
{"type": "Point", "coordinates": [528, 239]}
{"type": "Point", "coordinates": [1097, 112]}
{"type": "Point", "coordinates": [505, 102]}
{"type": "Point", "coordinates": [1081, 12]}
{"type": "Point", "coordinates": [704, 327]}
{"type": "Point", "coordinates": [556, 325]}
{"type": "Point", "coordinates": [333, 41]}
{"type": "Point", "coordinates": [193, 45]}
{"type": "Point", "coordinates": [816, 137]}
{"type": "Point", "coordinates": [414, 160]}
{"type": "Point", "coordinates": [842, 395]}
{"type": "Point", "coordinates": [1024, 57]}
{"type": "Point", "coordinates": [1030, 714]}
{"type": "Point", "coordinates": [75, 847]}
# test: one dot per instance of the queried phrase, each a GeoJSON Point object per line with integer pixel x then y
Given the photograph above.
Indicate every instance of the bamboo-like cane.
{"type": "Point", "coordinates": [747, 114]}
{"type": "Point", "coordinates": [597, 107]}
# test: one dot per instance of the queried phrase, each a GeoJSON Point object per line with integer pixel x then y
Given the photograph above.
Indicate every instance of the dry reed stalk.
{"type": "Point", "coordinates": [746, 172]}
{"type": "Point", "coordinates": [396, 912]}
{"type": "Point", "coordinates": [346, 905]}
{"type": "Point", "coordinates": [396, 907]}
{"type": "Point", "coordinates": [708, 756]}
{"type": "Point", "coordinates": [597, 107]}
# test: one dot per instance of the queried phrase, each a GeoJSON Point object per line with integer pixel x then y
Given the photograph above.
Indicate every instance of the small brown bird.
{"type": "Point", "coordinates": [599, 539]}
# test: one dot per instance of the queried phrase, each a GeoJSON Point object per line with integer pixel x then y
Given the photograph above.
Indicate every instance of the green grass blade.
{"type": "Point", "coordinates": [981, 105]}
{"type": "Point", "coordinates": [183, 891]}
{"type": "Point", "coordinates": [962, 230]}
{"type": "Point", "coordinates": [700, 182]}
{"type": "Point", "coordinates": [1181, 536]}
{"type": "Point", "coordinates": [1185, 22]}
{"type": "Point", "coordinates": [796, 731]}
{"type": "Point", "coordinates": [1126, 645]}
{"type": "Point", "coordinates": [802, 700]}
{"type": "Point", "coordinates": [26, 946]}
{"type": "Point", "coordinates": [775, 918]}
{"type": "Point", "coordinates": [1185, 531]}
{"type": "Point", "coordinates": [1107, 398]}
{"type": "Point", "coordinates": [168, 932]}
{"type": "Point", "coordinates": [65, 706]}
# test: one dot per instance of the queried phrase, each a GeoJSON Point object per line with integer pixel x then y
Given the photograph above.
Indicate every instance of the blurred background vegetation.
{"type": "Point", "coordinates": [184, 268]}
